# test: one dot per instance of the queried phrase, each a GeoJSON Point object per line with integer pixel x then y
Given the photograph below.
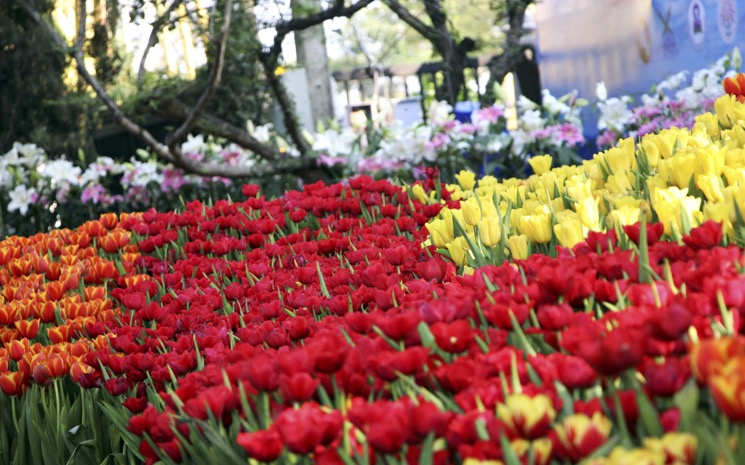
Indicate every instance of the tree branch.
{"type": "Point", "coordinates": [153, 39]}
{"type": "Point", "coordinates": [512, 53]}
{"type": "Point", "coordinates": [270, 59]}
{"type": "Point", "coordinates": [164, 152]}
{"type": "Point", "coordinates": [176, 110]}
{"type": "Point", "coordinates": [425, 30]}
{"type": "Point", "coordinates": [175, 139]}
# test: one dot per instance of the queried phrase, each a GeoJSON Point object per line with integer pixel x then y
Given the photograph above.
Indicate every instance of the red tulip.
{"type": "Point", "coordinates": [453, 337]}
{"type": "Point", "coordinates": [263, 445]}
{"type": "Point", "coordinates": [12, 383]}
{"type": "Point", "coordinates": [298, 387]}
{"type": "Point", "coordinates": [735, 86]}
{"type": "Point", "coordinates": [304, 429]}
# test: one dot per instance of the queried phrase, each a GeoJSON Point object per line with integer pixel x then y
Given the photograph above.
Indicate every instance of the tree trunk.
{"type": "Point", "coordinates": [512, 54]}
{"type": "Point", "coordinates": [311, 55]}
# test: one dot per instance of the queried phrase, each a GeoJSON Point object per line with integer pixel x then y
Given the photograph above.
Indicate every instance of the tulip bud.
{"type": "Point", "coordinates": [471, 211]}
{"type": "Point", "coordinates": [518, 246]}
{"type": "Point", "coordinates": [490, 231]}
{"type": "Point", "coordinates": [529, 417]}
{"type": "Point", "coordinates": [580, 435]}
{"type": "Point", "coordinates": [540, 164]}
{"type": "Point", "coordinates": [466, 179]}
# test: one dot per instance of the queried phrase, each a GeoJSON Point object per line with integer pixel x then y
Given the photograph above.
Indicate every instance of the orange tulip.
{"type": "Point", "coordinates": [8, 314]}
{"type": "Point", "coordinates": [710, 355]}
{"type": "Point", "coordinates": [735, 86]}
{"type": "Point", "coordinates": [54, 291]}
{"type": "Point", "coordinates": [727, 386]}
{"type": "Point", "coordinates": [28, 329]}
{"type": "Point", "coordinates": [44, 311]}
{"type": "Point", "coordinates": [11, 383]}
{"type": "Point", "coordinates": [78, 369]}
{"type": "Point", "coordinates": [59, 334]}
{"type": "Point", "coordinates": [94, 293]}
{"type": "Point", "coordinates": [109, 220]}
{"type": "Point", "coordinates": [8, 334]}
{"type": "Point", "coordinates": [94, 228]}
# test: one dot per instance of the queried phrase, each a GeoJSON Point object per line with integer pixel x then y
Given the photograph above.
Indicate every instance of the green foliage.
{"type": "Point", "coordinates": [36, 104]}
{"type": "Point", "coordinates": [243, 93]}
{"type": "Point", "coordinates": [62, 424]}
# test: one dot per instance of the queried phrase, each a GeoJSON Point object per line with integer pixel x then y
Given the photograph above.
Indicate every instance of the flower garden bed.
{"type": "Point", "coordinates": [587, 314]}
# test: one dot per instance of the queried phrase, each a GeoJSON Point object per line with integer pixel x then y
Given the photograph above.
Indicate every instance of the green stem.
{"type": "Point", "coordinates": [620, 417]}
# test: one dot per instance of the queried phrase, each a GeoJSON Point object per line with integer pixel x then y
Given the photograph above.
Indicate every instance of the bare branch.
{"type": "Point", "coordinates": [270, 59]}
{"type": "Point", "coordinates": [337, 10]}
{"type": "Point", "coordinates": [175, 139]}
{"type": "Point", "coordinates": [81, 25]}
{"type": "Point", "coordinates": [157, 25]}
{"type": "Point", "coordinates": [512, 53]}
{"type": "Point", "coordinates": [284, 165]}
{"type": "Point", "coordinates": [427, 31]}
{"type": "Point", "coordinates": [177, 110]}
{"type": "Point", "coordinates": [287, 164]}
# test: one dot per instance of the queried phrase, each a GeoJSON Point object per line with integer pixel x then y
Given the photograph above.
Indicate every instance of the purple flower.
{"type": "Point", "coordinates": [568, 134]}
{"type": "Point", "coordinates": [607, 139]}
{"type": "Point", "coordinates": [95, 193]}
{"type": "Point", "coordinates": [173, 180]}
{"type": "Point", "coordinates": [325, 160]}
{"type": "Point", "coordinates": [438, 141]}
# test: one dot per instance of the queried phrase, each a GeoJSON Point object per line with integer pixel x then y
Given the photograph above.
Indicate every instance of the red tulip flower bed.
{"type": "Point", "coordinates": [315, 328]}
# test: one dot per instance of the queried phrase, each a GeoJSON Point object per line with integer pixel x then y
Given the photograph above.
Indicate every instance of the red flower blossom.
{"type": "Point", "coordinates": [263, 445]}
{"type": "Point", "coordinates": [735, 86]}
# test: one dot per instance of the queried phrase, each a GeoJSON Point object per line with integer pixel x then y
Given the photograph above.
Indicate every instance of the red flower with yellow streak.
{"type": "Point", "coordinates": [735, 86]}
{"type": "Point", "coordinates": [727, 387]}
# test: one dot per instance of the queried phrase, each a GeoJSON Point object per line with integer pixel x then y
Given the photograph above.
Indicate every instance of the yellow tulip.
{"type": "Point", "coordinates": [734, 176]}
{"type": "Point", "coordinates": [723, 213]}
{"type": "Point", "coordinates": [672, 204]}
{"type": "Point", "coordinates": [471, 211]}
{"type": "Point", "coordinates": [734, 196]}
{"type": "Point", "coordinates": [540, 164]}
{"type": "Point", "coordinates": [458, 250]}
{"type": "Point", "coordinates": [679, 169]}
{"type": "Point", "coordinates": [621, 182]}
{"type": "Point", "coordinates": [710, 160]}
{"type": "Point", "coordinates": [490, 230]}
{"type": "Point", "coordinates": [619, 217]}
{"type": "Point", "coordinates": [440, 235]}
{"type": "Point", "coordinates": [729, 111]}
{"type": "Point", "coordinates": [568, 230]}
{"type": "Point", "coordinates": [518, 247]}
{"type": "Point", "coordinates": [487, 206]}
{"type": "Point", "coordinates": [735, 157]}
{"type": "Point", "coordinates": [620, 157]}
{"type": "Point", "coordinates": [419, 193]}
{"type": "Point", "coordinates": [537, 226]}
{"type": "Point", "coordinates": [466, 179]}
{"type": "Point", "coordinates": [578, 187]}
{"type": "Point", "coordinates": [708, 124]}
{"type": "Point", "coordinates": [587, 210]}
{"type": "Point", "coordinates": [711, 186]}
{"type": "Point", "coordinates": [638, 456]}
{"type": "Point", "coordinates": [456, 193]}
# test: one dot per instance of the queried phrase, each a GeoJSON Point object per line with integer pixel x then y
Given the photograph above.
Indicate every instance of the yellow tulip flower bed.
{"type": "Point", "coordinates": [677, 177]}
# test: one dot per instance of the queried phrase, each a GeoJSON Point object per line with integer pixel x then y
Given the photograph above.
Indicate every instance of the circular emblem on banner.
{"type": "Point", "coordinates": [697, 23]}
{"type": "Point", "coordinates": [727, 20]}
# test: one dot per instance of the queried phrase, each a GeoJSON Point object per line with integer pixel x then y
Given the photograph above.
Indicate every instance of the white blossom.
{"type": "Point", "coordinates": [61, 172]}
{"type": "Point", "coordinates": [20, 198]}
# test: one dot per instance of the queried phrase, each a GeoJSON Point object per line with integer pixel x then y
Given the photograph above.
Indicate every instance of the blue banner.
{"type": "Point", "coordinates": [631, 44]}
